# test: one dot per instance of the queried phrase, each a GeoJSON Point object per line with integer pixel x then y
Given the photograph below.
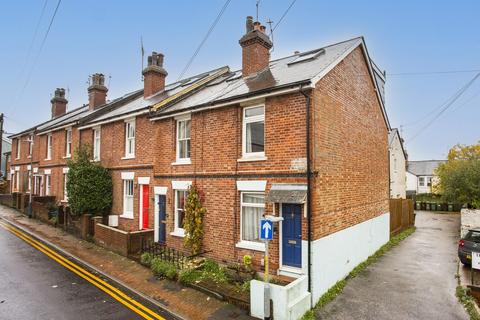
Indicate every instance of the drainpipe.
{"type": "Point", "coordinates": [309, 197]}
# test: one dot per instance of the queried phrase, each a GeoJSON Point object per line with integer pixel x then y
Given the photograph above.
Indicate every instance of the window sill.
{"type": "Point", "coordinates": [180, 162]}
{"type": "Point", "coordinates": [126, 216]}
{"type": "Point", "coordinates": [47, 159]}
{"type": "Point", "coordinates": [128, 157]}
{"type": "Point", "coordinates": [178, 233]}
{"type": "Point", "coordinates": [95, 160]}
{"type": "Point", "coordinates": [67, 157]}
{"type": "Point", "coordinates": [252, 158]}
{"type": "Point", "coordinates": [250, 245]}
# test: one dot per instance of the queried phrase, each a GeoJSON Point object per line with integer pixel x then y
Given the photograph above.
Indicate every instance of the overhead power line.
{"type": "Point", "coordinates": [284, 14]}
{"type": "Point", "coordinates": [432, 72]}
{"type": "Point", "coordinates": [428, 114]}
{"type": "Point", "coordinates": [30, 47]}
{"type": "Point", "coordinates": [445, 108]}
{"type": "Point", "coordinates": [29, 75]}
{"type": "Point", "coordinates": [210, 30]}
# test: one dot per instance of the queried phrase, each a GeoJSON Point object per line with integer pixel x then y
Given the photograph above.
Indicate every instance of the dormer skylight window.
{"type": "Point", "coordinates": [307, 56]}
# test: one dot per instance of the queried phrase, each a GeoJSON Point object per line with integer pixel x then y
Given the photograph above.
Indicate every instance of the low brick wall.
{"type": "Point", "coordinates": [122, 242]}
{"type": "Point", "coordinates": [6, 199]}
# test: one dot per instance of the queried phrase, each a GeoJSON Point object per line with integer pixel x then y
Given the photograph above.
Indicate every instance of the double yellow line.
{"type": "Point", "coordinates": [118, 295]}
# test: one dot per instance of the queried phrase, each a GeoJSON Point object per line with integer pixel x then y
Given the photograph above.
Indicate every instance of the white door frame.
{"type": "Point", "coordinates": [156, 224]}
{"type": "Point", "coordinates": [286, 270]}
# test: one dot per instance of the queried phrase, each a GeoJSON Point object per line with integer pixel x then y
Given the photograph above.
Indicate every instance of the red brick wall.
{"type": "Point", "coordinates": [349, 148]}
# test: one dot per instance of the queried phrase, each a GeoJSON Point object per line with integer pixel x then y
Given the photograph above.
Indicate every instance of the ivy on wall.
{"type": "Point", "coordinates": [193, 221]}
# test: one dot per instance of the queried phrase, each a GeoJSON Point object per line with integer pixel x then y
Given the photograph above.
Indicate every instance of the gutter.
{"type": "Point", "coordinates": [309, 192]}
{"type": "Point", "coordinates": [292, 87]}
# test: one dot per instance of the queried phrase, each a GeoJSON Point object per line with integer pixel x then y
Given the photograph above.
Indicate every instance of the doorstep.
{"type": "Point", "coordinates": [180, 300]}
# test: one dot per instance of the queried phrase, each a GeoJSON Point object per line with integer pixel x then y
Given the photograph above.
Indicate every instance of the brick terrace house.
{"type": "Point", "coordinates": [303, 137]}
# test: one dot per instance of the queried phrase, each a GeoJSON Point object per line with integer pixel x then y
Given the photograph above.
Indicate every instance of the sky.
{"type": "Point", "coordinates": [418, 43]}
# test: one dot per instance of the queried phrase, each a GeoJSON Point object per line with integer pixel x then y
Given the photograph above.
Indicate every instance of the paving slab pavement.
{"type": "Point", "coordinates": [183, 301]}
{"type": "Point", "coordinates": [414, 280]}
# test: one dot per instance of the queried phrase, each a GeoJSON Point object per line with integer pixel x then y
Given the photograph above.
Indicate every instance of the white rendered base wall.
{"type": "Point", "coordinates": [334, 256]}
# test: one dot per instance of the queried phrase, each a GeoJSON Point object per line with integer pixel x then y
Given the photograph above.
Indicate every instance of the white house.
{"type": "Point", "coordinates": [398, 165]}
{"type": "Point", "coordinates": [421, 175]}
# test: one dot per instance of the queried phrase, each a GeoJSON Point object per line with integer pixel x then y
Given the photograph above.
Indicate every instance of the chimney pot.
{"type": "Point", "coordinates": [97, 92]}
{"type": "Point", "coordinates": [154, 75]}
{"type": "Point", "coordinates": [249, 24]}
{"type": "Point", "coordinates": [256, 47]}
{"type": "Point", "coordinates": [59, 103]}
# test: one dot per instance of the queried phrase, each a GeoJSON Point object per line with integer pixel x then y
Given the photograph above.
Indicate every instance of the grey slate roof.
{"type": "Point", "coordinates": [295, 69]}
{"type": "Point", "coordinates": [285, 72]}
{"type": "Point", "coordinates": [424, 167]}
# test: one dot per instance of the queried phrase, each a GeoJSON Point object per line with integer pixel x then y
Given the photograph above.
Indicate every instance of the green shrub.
{"type": "Point", "coordinates": [146, 258]}
{"type": "Point", "coordinates": [213, 271]}
{"type": "Point", "coordinates": [189, 276]}
{"type": "Point", "coordinates": [163, 269]}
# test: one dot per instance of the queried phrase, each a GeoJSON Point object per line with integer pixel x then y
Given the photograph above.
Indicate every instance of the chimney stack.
{"type": "Point", "coordinates": [97, 92]}
{"type": "Point", "coordinates": [59, 103]}
{"type": "Point", "coordinates": [154, 75]}
{"type": "Point", "coordinates": [256, 47]}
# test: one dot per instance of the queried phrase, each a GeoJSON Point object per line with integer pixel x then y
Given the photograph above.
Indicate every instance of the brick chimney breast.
{"type": "Point", "coordinates": [256, 47]}
{"type": "Point", "coordinates": [97, 92]}
{"type": "Point", "coordinates": [154, 75]}
{"type": "Point", "coordinates": [59, 103]}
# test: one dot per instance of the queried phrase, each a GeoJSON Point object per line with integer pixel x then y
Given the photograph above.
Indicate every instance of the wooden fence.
{"type": "Point", "coordinates": [401, 215]}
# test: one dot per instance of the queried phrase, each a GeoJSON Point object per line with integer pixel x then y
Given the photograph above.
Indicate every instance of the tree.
{"type": "Point", "coordinates": [193, 221]}
{"type": "Point", "coordinates": [459, 177]}
{"type": "Point", "coordinates": [89, 185]}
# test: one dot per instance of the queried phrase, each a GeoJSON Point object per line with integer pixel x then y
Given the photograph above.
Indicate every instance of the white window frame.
{"type": "Point", "coordinates": [49, 146]}
{"type": "Point", "coordinates": [17, 156]}
{"type": "Point", "coordinates": [29, 180]}
{"type": "Point", "coordinates": [127, 213]}
{"type": "Point", "coordinates": [421, 181]}
{"type": "Point", "coordinates": [245, 121]}
{"type": "Point", "coordinates": [30, 146]}
{"type": "Point", "coordinates": [48, 184]}
{"type": "Point", "coordinates": [130, 123]}
{"type": "Point", "coordinates": [97, 137]}
{"type": "Point", "coordinates": [68, 143]}
{"type": "Point", "coordinates": [177, 231]}
{"type": "Point", "coordinates": [180, 160]}
{"type": "Point", "coordinates": [248, 244]}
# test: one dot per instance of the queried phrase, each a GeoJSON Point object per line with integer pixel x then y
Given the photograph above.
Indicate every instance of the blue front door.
{"type": "Point", "coordinates": [292, 235]}
{"type": "Point", "coordinates": [162, 218]}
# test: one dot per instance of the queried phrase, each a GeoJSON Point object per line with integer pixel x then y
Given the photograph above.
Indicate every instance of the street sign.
{"type": "Point", "coordinates": [475, 260]}
{"type": "Point", "coordinates": [266, 229]}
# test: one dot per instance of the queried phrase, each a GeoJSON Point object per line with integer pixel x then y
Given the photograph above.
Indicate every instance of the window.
{"type": "Point", "coordinates": [96, 144]}
{"type": "Point", "coordinates": [128, 198]}
{"type": "Point", "coordinates": [429, 181]}
{"type": "Point", "coordinates": [421, 181]}
{"type": "Point", "coordinates": [29, 179]}
{"type": "Point", "coordinates": [30, 146]}
{"type": "Point", "coordinates": [18, 149]}
{"type": "Point", "coordinates": [49, 146]}
{"type": "Point", "coordinates": [48, 184]}
{"type": "Point", "coordinates": [68, 143]}
{"type": "Point", "coordinates": [180, 199]}
{"type": "Point", "coordinates": [65, 195]}
{"type": "Point", "coordinates": [130, 139]}
{"type": "Point", "coordinates": [252, 210]}
{"type": "Point", "coordinates": [253, 131]}
{"type": "Point", "coordinates": [183, 140]}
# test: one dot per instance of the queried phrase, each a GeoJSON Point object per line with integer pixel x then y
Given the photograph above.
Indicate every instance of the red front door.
{"type": "Point", "coordinates": [145, 206]}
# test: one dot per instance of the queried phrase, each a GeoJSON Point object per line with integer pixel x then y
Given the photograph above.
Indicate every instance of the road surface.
{"type": "Point", "coordinates": [38, 283]}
